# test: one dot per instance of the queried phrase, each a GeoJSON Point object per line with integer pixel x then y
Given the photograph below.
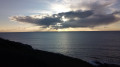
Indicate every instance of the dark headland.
{"type": "Point", "coordinates": [15, 54]}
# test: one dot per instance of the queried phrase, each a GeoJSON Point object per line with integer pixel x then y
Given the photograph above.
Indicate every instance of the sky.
{"type": "Point", "coordinates": [59, 15]}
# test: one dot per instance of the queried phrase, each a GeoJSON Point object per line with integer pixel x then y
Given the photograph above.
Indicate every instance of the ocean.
{"type": "Point", "coordinates": [89, 46]}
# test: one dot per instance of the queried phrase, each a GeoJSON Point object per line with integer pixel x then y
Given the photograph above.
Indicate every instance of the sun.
{"type": "Point", "coordinates": [60, 8]}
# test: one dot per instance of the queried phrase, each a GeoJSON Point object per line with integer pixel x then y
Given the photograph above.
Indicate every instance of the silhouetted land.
{"type": "Point", "coordinates": [14, 54]}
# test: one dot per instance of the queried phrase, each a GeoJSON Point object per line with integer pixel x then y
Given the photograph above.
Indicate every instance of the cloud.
{"type": "Point", "coordinates": [47, 20]}
{"type": "Point", "coordinates": [75, 19]}
{"type": "Point", "coordinates": [43, 21]}
{"type": "Point", "coordinates": [83, 13]}
{"type": "Point", "coordinates": [76, 14]}
{"type": "Point", "coordinates": [92, 21]}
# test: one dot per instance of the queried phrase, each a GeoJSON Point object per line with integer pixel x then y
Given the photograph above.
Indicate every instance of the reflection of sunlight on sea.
{"type": "Point", "coordinates": [61, 42]}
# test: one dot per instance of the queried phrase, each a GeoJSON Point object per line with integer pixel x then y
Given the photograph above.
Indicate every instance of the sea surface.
{"type": "Point", "coordinates": [89, 46]}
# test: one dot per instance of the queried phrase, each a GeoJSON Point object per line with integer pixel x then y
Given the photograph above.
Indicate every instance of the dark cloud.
{"type": "Point", "coordinates": [75, 19]}
{"type": "Point", "coordinates": [46, 22]}
{"type": "Point", "coordinates": [95, 20]}
{"type": "Point", "coordinates": [76, 14]}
